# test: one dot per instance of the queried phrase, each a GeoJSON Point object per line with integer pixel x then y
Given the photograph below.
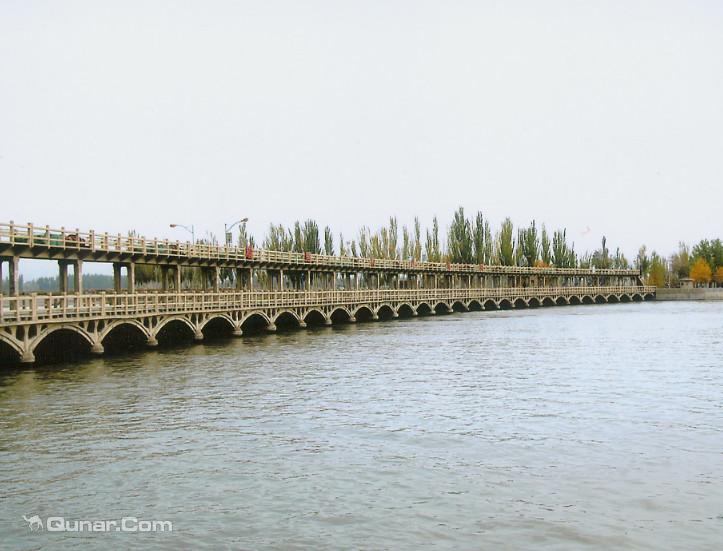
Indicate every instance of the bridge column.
{"type": "Point", "coordinates": [131, 277]}
{"type": "Point", "coordinates": [117, 277]}
{"type": "Point", "coordinates": [78, 276]}
{"type": "Point", "coordinates": [14, 276]}
{"type": "Point", "coordinates": [216, 274]}
{"type": "Point", "coordinates": [177, 278]}
{"type": "Point", "coordinates": [63, 276]}
{"type": "Point", "coordinates": [281, 280]}
{"type": "Point", "coordinates": [164, 278]}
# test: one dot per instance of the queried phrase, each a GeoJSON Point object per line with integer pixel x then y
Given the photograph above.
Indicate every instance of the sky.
{"type": "Point", "coordinates": [602, 117]}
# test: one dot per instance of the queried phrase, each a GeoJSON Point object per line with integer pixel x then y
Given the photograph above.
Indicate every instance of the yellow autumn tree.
{"type": "Point", "coordinates": [719, 275]}
{"type": "Point", "coordinates": [701, 272]}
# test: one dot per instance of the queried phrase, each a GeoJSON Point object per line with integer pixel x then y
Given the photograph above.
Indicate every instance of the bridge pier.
{"type": "Point", "coordinates": [198, 336]}
{"type": "Point", "coordinates": [352, 319]}
{"type": "Point", "coordinates": [97, 349]}
{"type": "Point", "coordinates": [271, 327]}
{"type": "Point", "coordinates": [237, 332]}
{"type": "Point", "coordinates": [152, 342]}
{"type": "Point", "coordinates": [27, 358]}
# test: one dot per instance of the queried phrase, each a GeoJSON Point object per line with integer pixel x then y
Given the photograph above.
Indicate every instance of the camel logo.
{"type": "Point", "coordinates": [34, 522]}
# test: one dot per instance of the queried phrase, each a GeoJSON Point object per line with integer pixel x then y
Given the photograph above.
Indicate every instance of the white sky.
{"type": "Point", "coordinates": [608, 115]}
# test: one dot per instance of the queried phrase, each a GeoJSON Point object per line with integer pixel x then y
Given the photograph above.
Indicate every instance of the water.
{"type": "Point", "coordinates": [589, 426]}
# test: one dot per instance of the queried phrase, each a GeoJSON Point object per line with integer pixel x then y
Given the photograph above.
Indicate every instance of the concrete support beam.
{"type": "Point", "coordinates": [177, 278]}
{"type": "Point", "coordinates": [14, 275]}
{"type": "Point", "coordinates": [117, 277]}
{"type": "Point", "coordinates": [62, 276]}
{"type": "Point", "coordinates": [216, 275]}
{"type": "Point", "coordinates": [131, 277]}
{"type": "Point", "coordinates": [78, 276]}
{"type": "Point", "coordinates": [164, 279]}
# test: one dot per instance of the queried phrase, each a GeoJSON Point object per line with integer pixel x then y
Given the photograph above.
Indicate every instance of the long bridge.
{"type": "Point", "coordinates": [237, 288]}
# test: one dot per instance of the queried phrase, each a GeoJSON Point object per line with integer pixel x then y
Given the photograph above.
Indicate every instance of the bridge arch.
{"type": "Point", "coordinates": [61, 342]}
{"type": "Point", "coordinates": [534, 302]}
{"type": "Point", "coordinates": [364, 313]}
{"type": "Point", "coordinates": [574, 299]}
{"type": "Point", "coordinates": [637, 297]}
{"type": "Point", "coordinates": [459, 306]}
{"type": "Point", "coordinates": [548, 301]}
{"type": "Point", "coordinates": [405, 310]}
{"type": "Point", "coordinates": [648, 296]}
{"type": "Point", "coordinates": [599, 299]}
{"type": "Point", "coordinates": [520, 303]}
{"type": "Point", "coordinates": [475, 305]}
{"type": "Point", "coordinates": [173, 319]}
{"type": "Point", "coordinates": [505, 304]}
{"type": "Point", "coordinates": [340, 314]}
{"type": "Point", "coordinates": [12, 343]}
{"type": "Point", "coordinates": [385, 311]}
{"type": "Point", "coordinates": [562, 301]}
{"type": "Point", "coordinates": [216, 318]}
{"type": "Point", "coordinates": [424, 308]}
{"type": "Point", "coordinates": [625, 298]}
{"type": "Point", "coordinates": [613, 299]}
{"type": "Point", "coordinates": [117, 324]}
{"type": "Point", "coordinates": [587, 299]}
{"type": "Point", "coordinates": [490, 304]}
{"type": "Point", "coordinates": [255, 321]}
{"type": "Point", "coordinates": [442, 307]}
{"type": "Point", "coordinates": [314, 316]}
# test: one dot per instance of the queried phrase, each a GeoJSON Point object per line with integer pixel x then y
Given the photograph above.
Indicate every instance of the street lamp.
{"type": "Point", "coordinates": [189, 230]}
{"type": "Point", "coordinates": [227, 229]}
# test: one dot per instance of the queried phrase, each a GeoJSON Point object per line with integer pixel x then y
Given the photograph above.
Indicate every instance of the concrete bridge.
{"type": "Point", "coordinates": [243, 289]}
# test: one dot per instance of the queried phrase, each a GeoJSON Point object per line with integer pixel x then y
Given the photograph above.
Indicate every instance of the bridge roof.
{"type": "Point", "coordinates": [31, 241]}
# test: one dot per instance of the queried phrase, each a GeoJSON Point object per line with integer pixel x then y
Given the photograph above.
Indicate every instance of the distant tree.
{"type": "Point", "coordinates": [658, 271]}
{"type": "Point", "coordinates": [310, 240]}
{"type": "Point", "coordinates": [718, 276]}
{"type": "Point", "coordinates": [328, 241]}
{"type": "Point", "coordinates": [680, 261]}
{"type": "Point", "coordinates": [701, 271]}
{"type": "Point", "coordinates": [506, 244]}
{"type": "Point", "coordinates": [432, 248]}
{"type": "Point", "coordinates": [563, 255]}
{"type": "Point", "coordinates": [529, 244]}
{"type": "Point", "coordinates": [545, 248]}
{"type": "Point", "coordinates": [642, 262]}
{"type": "Point", "coordinates": [417, 248]}
{"type": "Point", "coordinates": [459, 239]}
{"type": "Point", "coordinates": [601, 257]}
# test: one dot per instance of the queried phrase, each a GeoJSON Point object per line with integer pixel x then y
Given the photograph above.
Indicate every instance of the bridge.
{"type": "Point", "coordinates": [233, 289]}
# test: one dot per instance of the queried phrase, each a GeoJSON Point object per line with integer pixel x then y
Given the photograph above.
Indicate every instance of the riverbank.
{"type": "Point", "coordinates": [689, 294]}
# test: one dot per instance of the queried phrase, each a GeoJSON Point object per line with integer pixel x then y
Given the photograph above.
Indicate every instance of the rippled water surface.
{"type": "Point", "coordinates": [570, 427]}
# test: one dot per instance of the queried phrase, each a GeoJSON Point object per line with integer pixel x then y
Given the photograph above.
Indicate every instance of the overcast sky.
{"type": "Point", "coordinates": [600, 115]}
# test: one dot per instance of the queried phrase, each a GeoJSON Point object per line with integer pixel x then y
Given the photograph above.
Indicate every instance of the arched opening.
{"type": "Point", "coordinates": [625, 298]}
{"type": "Point", "coordinates": [8, 354]}
{"type": "Point", "coordinates": [424, 309]}
{"type": "Point", "coordinates": [385, 312]}
{"type": "Point", "coordinates": [286, 321]}
{"type": "Point", "coordinates": [575, 299]}
{"type": "Point", "coordinates": [649, 296]}
{"type": "Point", "coordinates": [441, 308]}
{"type": "Point", "coordinates": [561, 301]}
{"type": "Point", "coordinates": [217, 328]}
{"type": "Point", "coordinates": [457, 306]}
{"type": "Point", "coordinates": [587, 299]}
{"type": "Point", "coordinates": [637, 298]}
{"type": "Point", "coordinates": [62, 345]}
{"type": "Point", "coordinates": [613, 299]}
{"type": "Point", "coordinates": [599, 299]}
{"type": "Point", "coordinates": [491, 305]}
{"type": "Point", "coordinates": [175, 333]}
{"type": "Point", "coordinates": [475, 306]}
{"type": "Point", "coordinates": [364, 313]}
{"type": "Point", "coordinates": [548, 301]}
{"type": "Point", "coordinates": [505, 304]}
{"type": "Point", "coordinates": [520, 303]}
{"type": "Point", "coordinates": [534, 302]}
{"type": "Point", "coordinates": [314, 318]}
{"type": "Point", "coordinates": [405, 311]}
{"type": "Point", "coordinates": [340, 315]}
{"type": "Point", "coordinates": [254, 324]}
{"type": "Point", "coordinates": [123, 338]}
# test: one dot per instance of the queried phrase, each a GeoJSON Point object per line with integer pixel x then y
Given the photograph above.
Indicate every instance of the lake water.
{"type": "Point", "coordinates": [567, 428]}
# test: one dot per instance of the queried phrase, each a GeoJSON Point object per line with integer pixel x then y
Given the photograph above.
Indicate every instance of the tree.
{"type": "Point", "coordinates": [601, 257]}
{"type": "Point", "coordinates": [658, 271]}
{"type": "Point", "coordinates": [529, 244]}
{"type": "Point", "coordinates": [417, 250]}
{"type": "Point", "coordinates": [701, 272]}
{"type": "Point", "coordinates": [642, 262]}
{"type": "Point", "coordinates": [680, 261]}
{"type": "Point", "coordinates": [545, 248]}
{"type": "Point", "coordinates": [563, 256]}
{"type": "Point", "coordinates": [432, 249]}
{"type": "Point", "coordinates": [718, 277]}
{"type": "Point", "coordinates": [506, 244]}
{"type": "Point", "coordinates": [459, 239]}
{"type": "Point", "coordinates": [328, 241]}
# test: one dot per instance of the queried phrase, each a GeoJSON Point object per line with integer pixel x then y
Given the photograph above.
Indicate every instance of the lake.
{"type": "Point", "coordinates": [567, 428]}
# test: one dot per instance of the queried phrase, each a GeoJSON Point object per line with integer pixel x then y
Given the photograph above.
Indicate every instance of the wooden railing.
{"type": "Point", "coordinates": [33, 308]}
{"type": "Point", "coordinates": [24, 236]}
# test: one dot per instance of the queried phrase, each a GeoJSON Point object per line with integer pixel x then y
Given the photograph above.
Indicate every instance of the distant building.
{"type": "Point", "coordinates": [686, 283]}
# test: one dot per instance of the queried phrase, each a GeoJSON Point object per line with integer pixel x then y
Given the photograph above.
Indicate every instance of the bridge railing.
{"type": "Point", "coordinates": [38, 237]}
{"type": "Point", "coordinates": [32, 308]}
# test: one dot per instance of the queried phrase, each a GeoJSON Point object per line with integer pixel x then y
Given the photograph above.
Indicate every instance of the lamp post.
{"type": "Point", "coordinates": [189, 230]}
{"type": "Point", "coordinates": [228, 227]}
